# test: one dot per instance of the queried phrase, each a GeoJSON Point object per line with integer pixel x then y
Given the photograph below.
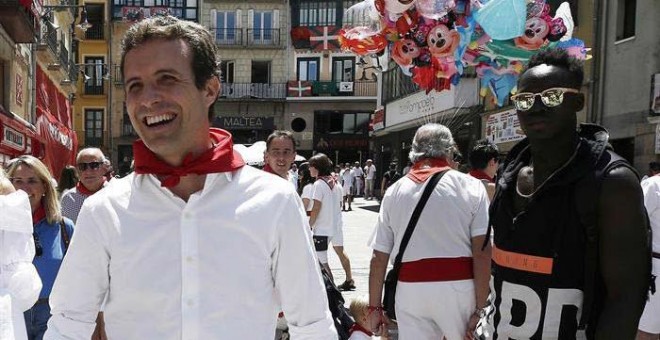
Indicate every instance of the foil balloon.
{"type": "Point", "coordinates": [502, 19]}
{"type": "Point", "coordinates": [393, 8]}
{"type": "Point", "coordinates": [434, 9]}
{"type": "Point", "coordinates": [362, 40]}
{"type": "Point", "coordinates": [500, 82]}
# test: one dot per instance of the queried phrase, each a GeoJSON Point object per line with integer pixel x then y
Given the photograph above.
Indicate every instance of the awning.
{"type": "Point", "coordinates": [16, 137]}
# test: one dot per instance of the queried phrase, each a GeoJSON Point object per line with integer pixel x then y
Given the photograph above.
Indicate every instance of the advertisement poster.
{"type": "Point", "coordinates": [503, 127]}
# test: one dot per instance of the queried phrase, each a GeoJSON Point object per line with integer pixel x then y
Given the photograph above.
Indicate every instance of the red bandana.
{"type": "Point", "coordinates": [220, 158]}
{"type": "Point", "coordinates": [269, 170]}
{"type": "Point", "coordinates": [38, 214]}
{"type": "Point", "coordinates": [479, 174]}
{"type": "Point", "coordinates": [329, 180]}
{"type": "Point", "coordinates": [356, 327]}
{"type": "Point", "coordinates": [425, 168]}
{"type": "Point", "coordinates": [83, 189]}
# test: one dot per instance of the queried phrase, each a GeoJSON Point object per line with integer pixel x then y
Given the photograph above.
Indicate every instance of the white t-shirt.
{"type": "Point", "coordinates": [325, 223]}
{"type": "Point", "coordinates": [370, 171]}
{"type": "Point", "coordinates": [347, 177]}
{"type": "Point", "coordinates": [456, 211]}
{"type": "Point", "coordinates": [307, 192]}
{"type": "Point", "coordinates": [651, 189]}
{"type": "Point", "coordinates": [357, 172]}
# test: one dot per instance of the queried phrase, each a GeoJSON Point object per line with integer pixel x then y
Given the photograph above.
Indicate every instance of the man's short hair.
{"type": "Point", "coordinates": [560, 58]}
{"type": "Point", "coordinates": [205, 61]}
{"type": "Point", "coordinates": [95, 151]}
{"type": "Point", "coordinates": [281, 134]}
{"type": "Point", "coordinates": [654, 166]}
{"type": "Point", "coordinates": [431, 140]}
{"type": "Point", "coordinates": [482, 153]}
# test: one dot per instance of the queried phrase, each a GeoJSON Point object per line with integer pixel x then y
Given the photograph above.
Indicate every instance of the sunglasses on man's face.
{"type": "Point", "coordinates": [551, 97]}
{"type": "Point", "coordinates": [90, 165]}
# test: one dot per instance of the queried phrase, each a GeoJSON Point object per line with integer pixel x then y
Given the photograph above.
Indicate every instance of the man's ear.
{"type": "Point", "coordinates": [212, 90]}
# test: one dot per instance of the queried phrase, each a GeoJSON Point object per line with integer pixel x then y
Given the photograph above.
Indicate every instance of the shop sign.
{"type": "Point", "coordinates": [378, 119]}
{"type": "Point", "coordinates": [245, 123]}
{"type": "Point", "coordinates": [12, 138]}
{"type": "Point", "coordinates": [503, 127]}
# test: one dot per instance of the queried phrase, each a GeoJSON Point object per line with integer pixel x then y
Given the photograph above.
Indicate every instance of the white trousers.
{"type": "Point", "coordinates": [433, 310]}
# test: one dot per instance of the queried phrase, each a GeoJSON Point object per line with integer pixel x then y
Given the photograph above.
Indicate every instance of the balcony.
{"type": "Point", "coordinates": [96, 32]}
{"type": "Point", "coordinates": [18, 21]}
{"type": "Point", "coordinates": [47, 41]}
{"type": "Point", "coordinates": [264, 37]}
{"type": "Point", "coordinates": [64, 56]}
{"type": "Point", "coordinates": [130, 10]}
{"type": "Point", "coordinates": [227, 37]}
{"type": "Point", "coordinates": [118, 78]}
{"type": "Point", "coordinates": [397, 85]}
{"type": "Point", "coordinates": [253, 91]}
{"type": "Point", "coordinates": [334, 89]}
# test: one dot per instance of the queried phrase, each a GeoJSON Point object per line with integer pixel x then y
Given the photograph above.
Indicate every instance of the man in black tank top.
{"type": "Point", "coordinates": [540, 239]}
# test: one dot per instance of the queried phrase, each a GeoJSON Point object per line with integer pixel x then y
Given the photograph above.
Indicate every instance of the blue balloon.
{"type": "Point", "coordinates": [502, 19]}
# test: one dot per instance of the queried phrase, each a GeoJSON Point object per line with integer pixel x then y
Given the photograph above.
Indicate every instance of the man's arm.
{"type": "Point", "coordinates": [82, 280]}
{"type": "Point", "coordinates": [377, 269]}
{"type": "Point", "coordinates": [297, 276]}
{"type": "Point", "coordinates": [316, 208]}
{"type": "Point", "coordinates": [623, 253]}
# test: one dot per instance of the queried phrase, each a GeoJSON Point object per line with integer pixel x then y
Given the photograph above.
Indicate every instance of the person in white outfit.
{"type": "Point", "coordinates": [193, 244]}
{"type": "Point", "coordinates": [444, 263]}
{"type": "Point", "coordinates": [649, 323]}
{"type": "Point", "coordinates": [19, 281]}
{"type": "Point", "coordinates": [370, 176]}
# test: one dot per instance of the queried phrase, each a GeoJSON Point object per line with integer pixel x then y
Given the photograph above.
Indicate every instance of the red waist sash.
{"type": "Point", "coordinates": [437, 269]}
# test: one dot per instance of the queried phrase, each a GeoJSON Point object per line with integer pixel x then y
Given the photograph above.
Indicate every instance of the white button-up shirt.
{"type": "Point", "coordinates": [209, 268]}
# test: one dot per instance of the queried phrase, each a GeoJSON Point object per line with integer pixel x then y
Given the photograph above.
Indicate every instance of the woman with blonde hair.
{"type": "Point", "coordinates": [52, 233]}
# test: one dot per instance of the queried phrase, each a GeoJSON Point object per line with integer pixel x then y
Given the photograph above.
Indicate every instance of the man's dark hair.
{"type": "Point", "coordinates": [281, 134]}
{"type": "Point", "coordinates": [392, 166]}
{"type": "Point", "coordinates": [205, 62]}
{"type": "Point", "coordinates": [482, 153]}
{"type": "Point", "coordinates": [654, 166]}
{"type": "Point", "coordinates": [560, 58]}
{"type": "Point", "coordinates": [322, 163]}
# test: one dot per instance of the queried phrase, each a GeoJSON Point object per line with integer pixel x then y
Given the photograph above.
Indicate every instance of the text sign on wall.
{"type": "Point", "coordinates": [245, 123]}
{"type": "Point", "coordinates": [12, 138]}
{"type": "Point", "coordinates": [503, 127]}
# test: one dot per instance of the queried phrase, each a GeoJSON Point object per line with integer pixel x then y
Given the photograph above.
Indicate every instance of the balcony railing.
{"type": "Point", "coordinates": [118, 77]}
{"type": "Point", "coordinates": [49, 36]}
{"type": "Point", "coordinates": [73, 71]}
{"type": "Point", "coordinates": [96, 32]}
{"type": "Point", "coordinates": [18, 20]}
{"type": "Point", "coordinates": [94, 86]}
{"type": "Point", "coordinates": [228, 36]}
{"type": "Point", "coordinates": [263, 37]}
{"type": "Point", "coordinates": [397, 85]}
{"type": "Point", "coordinates": [64, 55]}
{"type": "Point", "coordinates": [253, 90]}
{"type": "Point", "coordinates": [341, 88]}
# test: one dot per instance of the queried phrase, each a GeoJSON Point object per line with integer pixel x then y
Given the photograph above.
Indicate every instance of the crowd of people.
{"type": "Point", "coordinates": [550, 243]}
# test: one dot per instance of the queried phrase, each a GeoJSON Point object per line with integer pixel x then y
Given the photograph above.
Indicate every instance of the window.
{"type": "Point", "coordinates": [308, 69]}
{"type": "Point", "coordinates": [355, 18]}
{"type": "Point", "coordinates": [182, 9]}
{"type": "Point", "coordinates": [95, 16]}
{"type": "Point", "coordinates": [261, 72]}
{"type": "Point", "coordinates": [318, 13]}
{"type": "Point", "coordinates": [227, 68]}
{"type": "Point", "coordinates": [625, 19]}
{"type": "Point", "coordinates": [94, 71]}
{"type": "Point", "coordinates": [336, 123]}
{"type": "Point", "coordinates": [225, 27]}
{"type": "Point", "coordinates": [262, 27]}
{"type": "Point", "coordinates": [343, 69]}
{"type": "Point", "coordinates": [94, 127]}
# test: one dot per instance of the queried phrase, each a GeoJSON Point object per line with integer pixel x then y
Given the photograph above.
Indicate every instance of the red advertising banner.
{"type": "Point", "coordinates": [60, 143]}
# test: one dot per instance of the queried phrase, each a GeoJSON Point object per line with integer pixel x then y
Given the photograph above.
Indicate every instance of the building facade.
{"type": "Point", "coordinates": [38, 81]}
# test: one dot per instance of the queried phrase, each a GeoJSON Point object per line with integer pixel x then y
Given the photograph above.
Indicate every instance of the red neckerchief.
{"type": "Point", "coordinates": [220, 158]}
{"type": "Point", "coordinates": [480, 174]}
{"type": "Point", "coordinates": [268, 169]}
{"type": "Point", "coordinates": [38, 214]}
{"type": "Point", "coordinates": [425, 168]}
{"type": "Point", "coordinates": [356, 327]}
{"type": "Point", "coordinates": [83, 189]}
{"type": "Point", "coordinates": [329, 180]}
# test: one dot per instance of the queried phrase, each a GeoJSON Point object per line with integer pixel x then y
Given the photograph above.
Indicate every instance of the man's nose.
{"type": "Point", "coordinates": [151, 96]}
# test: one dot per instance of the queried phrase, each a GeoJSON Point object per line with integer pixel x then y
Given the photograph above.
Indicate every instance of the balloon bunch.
{"type": "Point", "coordinates": [433, 41]}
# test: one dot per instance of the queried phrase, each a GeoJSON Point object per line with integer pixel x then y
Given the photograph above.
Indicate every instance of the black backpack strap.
{"type": "Point", "coordinates": [430, 186]}
{"type": "Point", "coordinates": [65, 236]}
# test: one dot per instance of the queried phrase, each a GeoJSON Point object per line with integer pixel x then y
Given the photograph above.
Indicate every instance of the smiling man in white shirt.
{"type": "Point", "coordinates": [193, 245]}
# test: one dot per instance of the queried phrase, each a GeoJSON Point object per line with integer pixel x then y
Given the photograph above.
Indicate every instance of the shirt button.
{"type": "Point", "coordinates": [189, 259]}
{"type": "Point", "coordinates": [190, 303]}
{"type": "Point", "coordinates": [187, 215]}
